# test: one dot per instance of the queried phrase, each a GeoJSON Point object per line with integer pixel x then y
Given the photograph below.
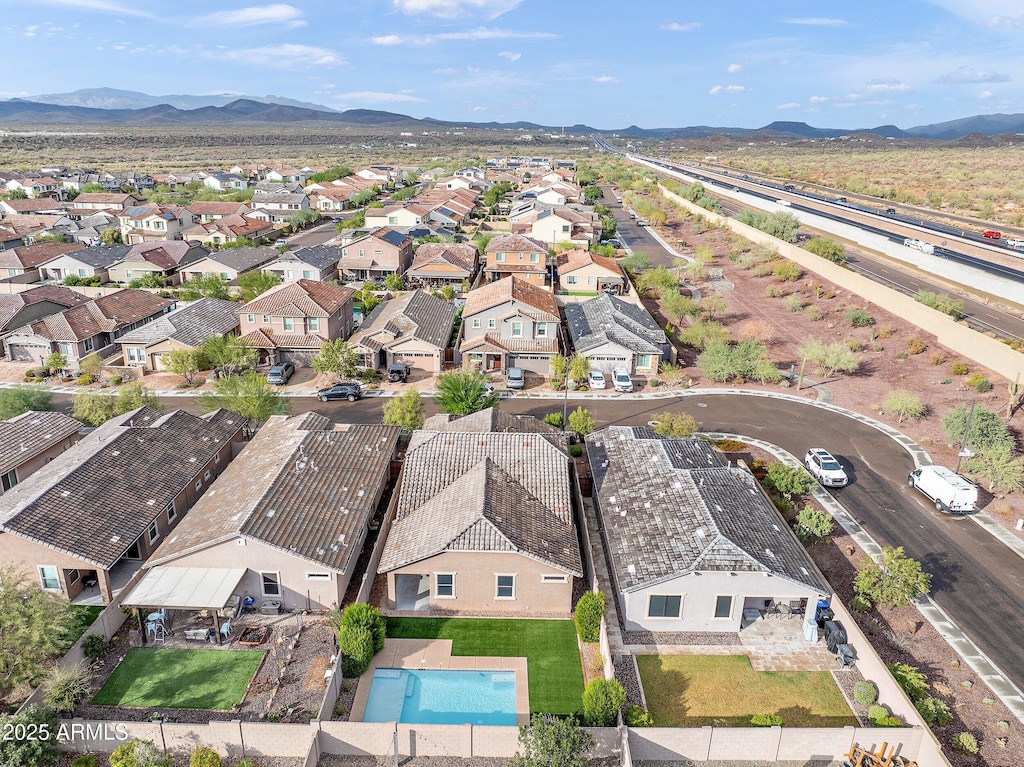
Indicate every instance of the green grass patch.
{"type": "Point", "coordinates": [550, 649]}
{"type": "Point", "coordinates": [168, 678]}
{"type": "Point", "coordinates": [82, 617]}
{"type": "Point", "coordinates": [587, 293]}
{"type": "Point", "coordinates": [723, 690]}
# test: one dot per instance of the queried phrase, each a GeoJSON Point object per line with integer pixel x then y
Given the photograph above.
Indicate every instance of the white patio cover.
{"type": "Point", "coordinates": [186, 588]}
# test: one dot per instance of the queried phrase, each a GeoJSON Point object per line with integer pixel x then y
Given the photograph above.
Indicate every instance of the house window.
{"type": "Point", "coordinates": [664, 606]}
{"type": "Point", "coordinates": [288, 323]}
{"type": "Point", "coordinates": [271, 583]}
{"type": "Point", "coordinates": [12, 272]}
{"type": "Point", "coordinates": [522, 257]}
{"type": "Point", "coordinates": [444, 585]}
{"type": "Point", "coordinates": [251, 318]}
{"type": "Point", "coordinates": [476, 323]}
{"type": "Point", "coordinates": [307, 274]}
{"type": "Point", "coordinates": [66, 350]}
{"type": "Point", "coordinates": [517, 329]}
{"type": "Point", "coordinates": [534, 258]}
{"type": "Point", "coordinates": [289, 274]}
{"type": "Point", "coordinates": [225, 276]}
{"type": "Point", "coordinates": [266, 319]}
{"type": "Point", "coordinates": [48, 577]}
{"type": "Point", "coordinates": [571, 279]}
{"type": "Point", "coordinates": [88, 345]}
{"type": "Point", "coordinates": [590, 279]}
{"type": "Point", "coordinates": [152, 532]}
{"type": "Point", "coordinates": [554, 579]}
{"type": "Point", "coordinates": [127, 274]}
{"type": "Point", "coordinates": [492, 323]}
{"type": "Point", "coordinates": [199, 486]}
{"type": "Point", "coordinates": [565, 228]}
{"type": "Point", "coordinates": [318, 576]}
{"type": "Point", "coordinates": [313, 323]}
{"type": "Point", "coordinates": [10, 479]}
{"type": "Point", "coordinates": [206, 475]}
{"type": "Point", "coordinates": [542, 330]}
{"type": "Point", "coordinates": [505, 587]}
{"type": "Point", "coordinates": [392, 219]}
{"type": "Point", "coordinates": [73, 576]}
{"type": "Point", "coordinates": [171, 513]}
{"type": "Point", "coordinates": [499, 257]}
{"type": "Point", "coordinates": [83, 272]}
{"type": "Point", "coordinates": [723, 607]}
{"type": "Point", "coordinates": [643, 360]}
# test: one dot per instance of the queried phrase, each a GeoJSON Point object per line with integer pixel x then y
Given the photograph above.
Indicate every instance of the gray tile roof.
{"type": "Point", "coordinates": [472, 491]}
{"type": "Point", "coordinates": [488, 420]}
{"type": "Point", "coordinates": [300, 486]}
{"type": "Point", "coordinates": [116, 481]}
{"type": "Point", "coordinates": [101, 255]}
{"type": "Point", "coordinates": [670, 507]}
{"type": "Point", "coordinates": [191, 325]}
{"type": "Point", "coordinates": [31, 433]}
{"type": "Point", "coordinates": [320, 256]}
{"type": "Point", "coordinates": [607, 318]}
{"type": "Point", "coordinates": [416, 314]}
{"type": "Point", "coordinates": [243, 259]}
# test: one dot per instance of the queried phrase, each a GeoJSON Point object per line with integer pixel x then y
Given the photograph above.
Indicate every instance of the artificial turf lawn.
{"type": "Point", "coordinates": [699, 690]}
{"type": "Point", "coordinates": [550, 649]}
{"type": "Point", "coordinates": [168, 678]}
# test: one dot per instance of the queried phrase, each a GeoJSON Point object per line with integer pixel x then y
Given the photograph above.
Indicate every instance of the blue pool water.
{"type": "Point", "coordinates": [428, 696]}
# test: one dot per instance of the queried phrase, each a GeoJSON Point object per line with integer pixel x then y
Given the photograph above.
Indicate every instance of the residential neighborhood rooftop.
{"type": "Point", "coordinates": [190, 324]}
{"type": "Point", "coordinates": [31, 433]}
{"type": "Point", "coordinates": [607, 318]}
{"type": "Point", "coordinates": [415, 314]}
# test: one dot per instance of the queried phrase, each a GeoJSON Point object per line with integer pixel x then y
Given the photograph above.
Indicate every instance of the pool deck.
{"type": "Point", "coordinates": [437, 654]}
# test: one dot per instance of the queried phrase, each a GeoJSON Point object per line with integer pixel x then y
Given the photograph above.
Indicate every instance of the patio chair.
{"type": "Point", "coordinates": [796, 608]}
{"type": "Point", "coordinates": [225, 629]}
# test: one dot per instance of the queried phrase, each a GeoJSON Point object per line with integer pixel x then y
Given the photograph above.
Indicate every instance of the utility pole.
{"type": "Point", "coordinates": [965, 452]}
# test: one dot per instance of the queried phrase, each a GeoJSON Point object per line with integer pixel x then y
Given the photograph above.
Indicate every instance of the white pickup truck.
{"type": "Point", "coordinates": [1015, 244]}
{"type": "Point", "coordinates": [921, 245]}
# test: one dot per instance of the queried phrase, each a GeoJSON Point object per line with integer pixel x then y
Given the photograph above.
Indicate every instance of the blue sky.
{"type": "Point", "coordinates": [653, 63]}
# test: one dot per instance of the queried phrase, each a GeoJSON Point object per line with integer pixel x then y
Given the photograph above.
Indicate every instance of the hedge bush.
{"type": "Point", "coordinates": [360, 614]}
{"type": "Point", "coordinates": [637, 716]}
{"type": "Point", "coordinates": [766, 720]}
{"type": "Point", "coordinates": [910, 679]}
{"type": "Point", "coordinates": [865, 693]}
{"type": "Point", "coordinates": [94, 646]}
{"type": "Point", "coordinates": [602, 700]}
{"type": "Point", "coordinates": [934, 711]}
{"type": "Point", "coordinates": [85, 760]}
{"type": "Point", "coordinates": [67, 686]}
{"type": "Point", "coordinates": [139, 753]}
{"type": "Point", "coordinates": [355, 643]}
{"type": "Point", "coordinates": [859, 318]}
{"type": "Point", "coordinates": [204, 756]}
{"type": "Point", "coordinates": [889, 721]}
{"type": "Point", "coordinates": [877, 712]}
{"type": "Point", "coordinates": [589, 611]}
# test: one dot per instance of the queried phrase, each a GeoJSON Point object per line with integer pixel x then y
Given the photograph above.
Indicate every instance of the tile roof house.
{"type": "Point", "coordinates": [27, 258]}
{"type": "Point", "coordinates": [694, 545]}
{"type": "Point", "coordinates": [18, 309]}
{"type": "Point", "coordinates": [612, 332]}
{"type": "Point", "coordinates": [317, 262]}
{"type": "Point", "coordinates": [376, 255]}
{"type": "Point", "coordinates": [278, 207]}
{"type": "Point", "coordinates": [163, 259]}
{"type": "Point", "coordinates": [225, 229]}
{"type": "Point", "coordinates": [510, 323]}
{"type": "Point", "coordinates": [484, 523]}
{"type": "Point", "coordinates": [413, 328]}
{"type": "Point", "coordinates": [230, 263]}
{"type": "Point", "coordinates": [188, 327]}
{"type": "Point", "coordinates": [489, 420]}
{"type": "Point", "coordinates": [407, 214]}
{"type": "Point", "coordinates": [586, 272]}
{"type": "Point", "coordinates": [290, 322]}
{"type": "Point", "coordinates": [94, 326]}
{"type": "Point", "coordinates": [93, 261]}
{"type": "Point", "coordinates": [436, 264]}
{"type": "Point", "coordinates": [508, 254]}
{"type": "Point", "coordinates": [31, 440]}
{"type": "Point", "coordinates": [97, 510]}
{"type": "Point", "coordinates": [211, 210]}
{"type": "Point", "coordinates": [152, 222]}
{"type": "Point", "coordinates": [30, 205]}
{"type": "Point", "coordinates": [293, 509]}
{"type": "Point", "coordinates": [93, 201]}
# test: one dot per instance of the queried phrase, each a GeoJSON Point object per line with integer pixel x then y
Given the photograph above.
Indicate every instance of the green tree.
{"type": "Point", "coordinates": [448, 292]}
{"type": "Point", "coordinates": [827, 248]}
{"type": "Point", "coordinates": [211, 286]}
{"type": "Point", "coordinates": [829, 358]}
{"type": "Point", "coordinates": [635, 263]}
{"type": "Point", "coordinates": [394, 282]}
{"type": "Point", "coordinates": [21, 399]}
{"type": "Point", "coordinates": [559, 366]}
{"type": "Point", "coordinates": [747, 360]}
{"type": "Point", "coordinates": [256, 283]}
{"type": "Point", "coordinates": [550, 741]}
{"type": "Point", "coordinates": [701, 335]}
{"type": "Point", "coordinates": [92, 409]}
{"type": "Point", "coordinates": [110, 237]}
{"type": "Point", "coordinates": [581, 421]}
{"type": "Point", "coordinates": [788, 480]}
{"type": "Point", "coordinates": [911, 679]}
{"type": "Point", "coordinates": [29, 752]}
{"type": "Point", "coordinates": [602, 701]}
{"type": "Point", "coordinates": [185, 363]}
{"type": "Point", "coordinates": [710, 306]}
{"type": "Point", "coordinates": [903, 404]}
{"type": "Point", "coordinates": [463, 393]}
{"type": "Point", "coordinates": [368, 300]}
{"type": "Point", "coordinates": [92, 188]}
{"type": "Point", "coordinates": [134, 395]}
{"type": "Point", "coordinates": [405, 410]}
{"type": "Point", "coordinates": [660, 282]}
{"type": "Point", "coordinates": [366, 616]}
{"type": "Point", "coordinates": [91, 365]}
{"type": "Point", "coordinates": [987, 429]}
{"type": "Point", "coordinates": [675, 425]}
{"type": "Point", "coordinates": [589, 612]}
{"type": "Point", "coordinates": [893, 579]}
{"type": "Point", "coordinates": [999, 468]}
{"type": "Point", "coordinates": [228, 354]}
{"type": "Point", "coordinates": [592, 194]}
{"type": "Point", "coordinates": [672, 375]}
{"type": "Point", "coordinates": [579, 368]}
{"type": "Point", "coordinates": [248, 395]}
{"type": "Point", "coordinates": [56, 362]}
{"type": "Point", "coordinates": [336, 357]}
{"type": "Point", "coordinates": [813, 524]}
{"type": "Point", "coordinates": [149, 280]}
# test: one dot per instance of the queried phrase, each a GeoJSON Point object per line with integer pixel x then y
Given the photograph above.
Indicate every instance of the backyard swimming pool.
{"type": "Point", "coordinates": [430, 696]}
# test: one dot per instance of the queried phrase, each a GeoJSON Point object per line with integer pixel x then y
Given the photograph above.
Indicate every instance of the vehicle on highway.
{"type": "Point", "coordinates": [641, 222]}
{"type": "Point", "coordinates": [825, 468]}
{"type": "Point", "coordinates": [783, 202]}
{"type": "Point", "coordinates": [890, 211]}
{"type": "Point", "coordinates": [632, 216]}
{"type": "Point", "coordinates": [514, 378]}
{"type": "Point", "coordinates": [921, 245]}
{"type": "Point", "coordinates": [398, 373]}
{"type": "Point", "coordinates": [621, 381]}
{"type": "Point", "coordinates": [350, 390]}
{"type": "Point", "coordinates": [1015, 244]}
{"type": "Point", "coordinates": [992, 234]}
{"type": "Point", "coordinates": [279, 374]}
{"type": "Point", "coordinates": [945, 488]}
{"type": "Point", "coordinates": [595, 379]}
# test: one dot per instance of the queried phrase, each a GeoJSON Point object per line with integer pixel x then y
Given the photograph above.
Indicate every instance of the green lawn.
{"type": "Point", "coordinates": [699, 690]}
{"type": "Point", "coordinates": [167, 678]}
{"type": "Point", "coordinates": [82, 617]}
{"type": "Point", "coordinates": [553, 658]}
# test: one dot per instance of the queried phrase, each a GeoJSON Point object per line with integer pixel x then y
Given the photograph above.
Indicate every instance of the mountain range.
{"type": "Point", "coordinates": [112, 107]}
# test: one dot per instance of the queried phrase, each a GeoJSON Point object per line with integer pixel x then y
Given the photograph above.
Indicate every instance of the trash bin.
{"type": "Point", "coordinates": [822, 615]}
{"type": "Point", "coordinates": [270, 607]}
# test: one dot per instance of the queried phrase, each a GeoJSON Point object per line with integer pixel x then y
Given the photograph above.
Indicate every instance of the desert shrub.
{"type": "Point", "coordinates": [700, 335]}
{"type": "Point", "coordinates": [576, 450]}
{"type": "Point", "coordinates": [204, 756]}
{"type": "Point", "coordinates": [747, 360]}
{"type": "Point", "coordinates": [250, 762]}
{"type": "Point", "coordinates": [915, 346]}
{"type": "Point", "coordinates": [889, 721]}
{"type": "Point", "coordinates": [860, 604]}
{"type": "Point", "coordinates": [910, 679]}
{"type": "Point", "coordinates": [787, 271]}
{"type": "Point", "coordinates": [877, 712]}
{"type": "Point", "coordinates": [794, 303]}
{"type": "Point", "coordinates": [554, 419]}
{"type": "Point", "coordinates": [814, 314]}
{"type": "Point", "coordinates": [936, 358]}
{"type": "Point", "coordinates": [826, 248]}
{"type": "Point", "coordinates": [774, 291]}
{"type": "Point", "coordinates": [766, 720]}
{"type": "Point", "coordinates": [368, 617]}
{"type": "Point", "coordinates": [116, 380]}
{"type": "Point", "coordinates": [355, 644]}
{"type": "Point", "coordinates": [934, 711]}
{"type": "Point", "coordinates": [66, 686]}
{"type": "Point", "coordinates": [730, 445]}
{"type": "Point", "coordinates": [987, 428]}
{"type": "Point", "coordinates": [589, 611]}
{"type": "Point", "coordinates": [944, 303]}
{"type": "Point", "coordinates": [965, 743]}
{"type": "Point", "coordinates": [978, 382]}
{"type": "Point", "coordinates": [901, 355]}
{"type": "Point", "coordinates": [139, 753]}
{"type": "Point", "coordinates": [813, 524]}
{"type": "Point", "coordinates": [885, 331]}
{"type": "Point", "coordinates": [637, 716]}
{"type": "Point", "coordinates": [859, 318]}
{"type": "Point", "coordinates": [762, 269]}
{"type": "Point", "coordinates": [602, 700]}
{"type": "Point", "coordinates": [94, 645]}
{"type": "Point", "coordinates": [84, 380]}
{"type": "Point", "coordinates": [959, 369]}
{"type": "Point", "coordinates": [85, 760]}
{"type": "Point", "coordinates": [865, 693]}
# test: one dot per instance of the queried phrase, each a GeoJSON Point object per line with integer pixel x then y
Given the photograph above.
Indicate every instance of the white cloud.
{"type": "Point", "coordinates": [386, 40]}
{"type": "Point", "coordinates": [818, 21]}
{"type": "Point", "coordinates": [985, 95]}
{"type": "Point", "coordinates": [284, 56]}
{"type": "Point", "coordinates": [675, 26]}
{"type": "Point", "coordinates": [479, 109]}
{"type": "Point", "coordinates": [453, 9]}
{"type": "Point", "coordinates": [103, 6]}
{"type": "Point", "coordinates": [377, 97]}
{"type": "Point", "coordinates": [484, 33]}
{"type": "Point", "coordinates": [715, 90]}
{"type": "Point", "coordinates": [734, 68]}
{"type": "Point", "coordinates": [1007, 22]}
{"type": "Point", "coordinates": [966, 75]}
{"type": "Point", "coordinates": [821, 99]}
{"type": "Point", "coordinates": [510, 55]}
{"type": "Point", "coordinates": [30, 31]}
{"type": "Point", "coordinates": [887, 85]}
{"type": "Point", "coordinates": [605, 80]}
{"type": "Point", "coordinates": [277, 13]}
{"type": "Point", "coordinates": [789, 105]}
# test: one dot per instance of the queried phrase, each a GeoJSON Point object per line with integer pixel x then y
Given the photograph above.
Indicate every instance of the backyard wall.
{"type": "Point", "coordinates": [959, 338]}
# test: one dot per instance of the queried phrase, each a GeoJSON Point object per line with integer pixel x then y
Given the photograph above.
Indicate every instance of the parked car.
{"type": "Point", "coordinates": [350, 390]}
{"type": "Point", "coordinates": [398, 373]}
{"type": "Point", "coordinates": [621, 381]}
{"type": "Point", "coordinates": [825, 468]}
{"type": "Point", "coordinates": [595, 379]}
{"type": "Point", "coordinates": [514, 378]}
{"type": "Point", "coordinates": [945, 488]}
{"type": "Point", "coordinates": [279, 374]}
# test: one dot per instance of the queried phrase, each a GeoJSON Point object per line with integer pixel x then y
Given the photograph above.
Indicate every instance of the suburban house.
{"type": "Point", "coordinates": [612, 333]}
{"type": "Point", "coordinates": [211, 210]}
{"type": "Point", "coordinates": [694, 545]}
{"type": "Point", "coordinates": [147, 223]}
{"type": "Point", "coordinates": [229, 263]}
{"type": "Point", "coordinates": [413, 328]}
{"type": "Point", "coordinates": [27, 258]}
{"type": "Point", "coordinates": [317, 262]}
{"type": "Point", "coordinates": [580, 271]}
{"type": "Point", "coordinates": [39, 206]}
{"type": "Point", "coordinates": [376, 255]}
{"type": "Point", "coordinates": [278, 207]}
{"type": "Point", "coordinates": [483, 522]}
{"type": "Point", "coordinates": [94, 326]}
{"type": "Point", "coordinates": [18, 309]}
{"type": "Point", "coordinates": [89, 202]}
{"type": "Point", "coordinates": [225, 229]}
{"type": "Point", "coordinates": [89, 229]}
{"type": "Point", "coordinates": [225, 182]}
{"type": "Point", "coordinates": [409, 214]}
{"type": "Point", "coordinates": [559, 225]}
{"type": "Point", "coordinates": [188, 327]}
{"type": "Point", "coordinates": [290, 322]}
{"type": "Point", "coordinates": [510, 323]}
{"type": "Point", "coordinates": [513, 254]}
{"type": "Point", "coordinates": [119, 515]}
{"type": "Point", "coordinates": [31, 440]}
{"type": "Point", "coordinates": [292, 511]}
{"type": "Point", "coordinates": [162, 259]}
{"type": "Point", "coordinates": [89, 262]}
{"type": "Point", "coordinates": [36, 187]}
{"type": "Point", "coordinates": [437, 264]}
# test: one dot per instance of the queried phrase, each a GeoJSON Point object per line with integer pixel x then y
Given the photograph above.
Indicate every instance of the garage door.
{"type": "Point", "coordinates": [28, 352]}
{"type": "Point", "coordinates": [538, 364]}
{"type": "Point", "coordinates": [419, 360]}
{"type": "Point", "coordinates": [298, 357]}
{"type": "Point", "coordinates": [607, 362]}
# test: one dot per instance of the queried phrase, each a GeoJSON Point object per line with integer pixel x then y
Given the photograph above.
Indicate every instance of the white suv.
{"type": "Point", "coordinates": [621, 381]}
{"type": "Point", "coordinates": [595, 380]}
{"type": "Point", "coordinates": [825, 468]}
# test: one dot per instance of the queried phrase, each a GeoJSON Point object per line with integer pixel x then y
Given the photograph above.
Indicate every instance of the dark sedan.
{"type": "Point", "coordinates": [350, 391]}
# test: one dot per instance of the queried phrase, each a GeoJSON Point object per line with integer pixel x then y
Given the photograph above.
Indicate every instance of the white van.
{"type": "Point", "coordinates": [948, 490]}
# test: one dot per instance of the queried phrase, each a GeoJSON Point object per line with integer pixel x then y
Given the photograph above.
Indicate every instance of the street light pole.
{"type": "Point", "coordinates": [565, 400]}
{"type": "Point", "coordinates": [965, 452]}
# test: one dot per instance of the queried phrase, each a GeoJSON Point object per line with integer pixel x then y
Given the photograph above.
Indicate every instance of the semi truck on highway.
{"type": "Point", "coordinates": [921, 245]}
{"type": "Point", "coordinates": [946, 489]}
